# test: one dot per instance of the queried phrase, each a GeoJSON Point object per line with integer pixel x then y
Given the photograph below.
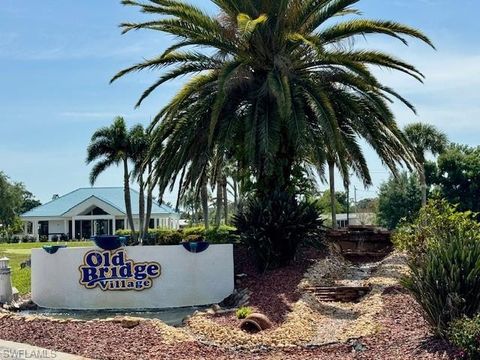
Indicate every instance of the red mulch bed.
{"type": "Point", "coordinates": [272, 292]}
{"type": "Point", "coordinates": [403, 334]}
{"type": "Point", "coordinates": [102, 340]}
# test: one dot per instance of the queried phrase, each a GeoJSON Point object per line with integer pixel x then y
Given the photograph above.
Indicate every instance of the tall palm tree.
{"type": "Point", "coordinates": [425, 138]}
{"type": "Point", "coordinates": [268, 88]}
{"type": "Point", "coordinates": [140, 143]}
{"type": "Point", "coordinates": [111, 146]}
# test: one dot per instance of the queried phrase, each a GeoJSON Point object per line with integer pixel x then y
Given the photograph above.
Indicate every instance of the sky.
{"type": "Point", "coordinates": [57, 57]}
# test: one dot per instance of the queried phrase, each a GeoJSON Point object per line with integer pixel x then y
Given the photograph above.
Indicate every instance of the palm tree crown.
{"type": "Point", "coordinates": [273, 83]}
{"type": "Point", "coordinates": [109, 146]}
{"type": "Point", "coordinates": [425, 138]}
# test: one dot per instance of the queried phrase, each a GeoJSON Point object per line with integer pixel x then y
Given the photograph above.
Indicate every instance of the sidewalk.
{"type": "Point", "coordinates": [17, 351]}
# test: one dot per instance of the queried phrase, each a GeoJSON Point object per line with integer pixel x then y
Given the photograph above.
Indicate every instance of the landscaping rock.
{"type": "Point", "coordinates": [127, 322]}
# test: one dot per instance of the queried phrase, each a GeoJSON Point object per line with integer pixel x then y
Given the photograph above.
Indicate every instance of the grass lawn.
{"type": "Point", "coordinates": [18, 253]}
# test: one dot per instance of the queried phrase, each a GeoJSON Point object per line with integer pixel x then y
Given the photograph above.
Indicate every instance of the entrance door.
{"type": "Point", "coordinates": [102, 227]}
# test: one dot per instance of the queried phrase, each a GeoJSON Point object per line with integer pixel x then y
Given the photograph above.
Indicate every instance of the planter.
{"type": "Point", "coordinates": [255, 322]}
{"type": "Point", "coordinates": [109, 242]}
{"type": "Point", "coordinates": [196, 247]}
{"type": "Point", "coordinates": [52, 249]}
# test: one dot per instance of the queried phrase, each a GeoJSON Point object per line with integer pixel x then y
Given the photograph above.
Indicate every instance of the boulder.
{"type": "Point", "coordinates": [127, 322]}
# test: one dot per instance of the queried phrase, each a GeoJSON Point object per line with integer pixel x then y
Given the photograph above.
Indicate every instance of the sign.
{"type": "Point", "coordinates": [113, 271]}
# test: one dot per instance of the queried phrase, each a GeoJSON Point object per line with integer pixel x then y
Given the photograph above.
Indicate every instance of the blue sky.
{"type": "Point", "coordinates": [56, 59]}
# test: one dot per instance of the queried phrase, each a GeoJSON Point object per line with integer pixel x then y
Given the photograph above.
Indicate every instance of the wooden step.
{"type": "Point", "coordinates": [339, 293]}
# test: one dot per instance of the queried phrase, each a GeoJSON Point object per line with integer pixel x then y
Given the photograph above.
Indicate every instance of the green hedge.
{"type": "Point", "coordinates": [161, 236]}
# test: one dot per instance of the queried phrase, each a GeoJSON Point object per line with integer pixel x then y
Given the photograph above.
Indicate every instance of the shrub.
{"type": "Point", "coordinates": [437, 218]}
{"type": "Point", "coordinates": [193, 238]}
{"type": "Point", "coordinates": [194, 230]}
{"type": "Point", "coordinates": [161, 236]}
{"type": "Point", "coordinates": [28, 238]}
{"type": "Point", "coordinates": [223, 234]}
{"type": "Point", "coordinates": [446, 279]}
{"type": "Point", "coordinates": [43, 238]}
{"type": "Point", "coordinates": [243, 312]}
{"type": "Point", "coordinates": [464, 333]}
{"type": "Point", "coordinates": [166, 236]}
{"type": "Point", "coordinates": [274, 227]}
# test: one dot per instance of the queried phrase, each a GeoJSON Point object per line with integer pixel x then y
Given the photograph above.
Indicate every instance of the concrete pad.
{"type": "Point", "coordinates": [10, 350]}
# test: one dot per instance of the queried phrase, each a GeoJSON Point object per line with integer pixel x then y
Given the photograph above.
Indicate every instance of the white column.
{"type": "Point", "coordinates": [6, 296]}
{"type": "Point", "coordinates": [65, 225]}
{"type": "Point", "coordinates": [73, 228]}
{"type": "Point", "coordinates": [125, 226]}
{"type": "Point", "coordinates": [114, 226]}
{"type": "Point", "coordinates": [35, 230]}
{"type": "Point", "coordinates": [25, 228]}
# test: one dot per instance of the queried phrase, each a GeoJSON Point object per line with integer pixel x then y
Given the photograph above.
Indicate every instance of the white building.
{"type": "Point", "coordinates": [353, 219]}
{"type": "Point", "coordinates": [87, 212]}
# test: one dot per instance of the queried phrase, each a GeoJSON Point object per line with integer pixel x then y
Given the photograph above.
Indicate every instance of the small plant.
{"type": "Point", "coordinates": [43, 238]}
{"type": "Point", "coordinates": [465, 335]}
{"type": "Point", "coordinates": [243, 312]}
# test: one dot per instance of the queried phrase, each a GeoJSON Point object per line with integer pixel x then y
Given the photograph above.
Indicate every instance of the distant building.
{"type": "Point", "coordinates": [355, 219]}
{"type": "Point", "coordinates": [88, 212]}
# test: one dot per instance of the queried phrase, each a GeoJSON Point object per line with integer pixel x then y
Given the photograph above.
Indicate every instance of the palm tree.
{"type": "Point", "coordinates": [270, 87]}
{"type": "Point", "coordinates": [140, 142]}
{"type": "Point", "coordinates": [111, 146]}
{"type": "Point", "coordinates": [425, 138]}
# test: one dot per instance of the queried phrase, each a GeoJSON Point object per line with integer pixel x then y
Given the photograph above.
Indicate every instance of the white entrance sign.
{"type": "Point", "coordinates": [140, 277]}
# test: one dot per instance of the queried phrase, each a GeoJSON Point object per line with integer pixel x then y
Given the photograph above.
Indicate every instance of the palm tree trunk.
{"type": "Point", "coordinates": [148, 212]}
{"type": "Point", "coordinates": [218, 214]}
{"type": "Point", "coordinates": [141, 209]}
{"type": "Point", "coordinates": [225, 199]}
{"type": "Point", "coordinates": [423, 185]}
{"type": "Point", "coordinates": [235, 194]}
{"type": "Point", "coordinates": [128, 200]}
{"type": "Point", "coordinates": [333, 200]}
{"type": "Point", "coordinates": [204, 196]}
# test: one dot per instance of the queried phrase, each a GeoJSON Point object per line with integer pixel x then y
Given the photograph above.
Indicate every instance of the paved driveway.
{"type": "Point", "coordinates": [15, 351]}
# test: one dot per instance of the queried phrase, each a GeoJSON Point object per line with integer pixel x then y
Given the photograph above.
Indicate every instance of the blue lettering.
{"type": "Point", "coordinates": [140, 272]}
{"type": "Point", "coordinates": [153, 270]}
{"type": "Point", "coordinates": [93, 259]}
{"type": "Point", "coordinates": [88, 274]}
{"type": "Point", "coordinates": [113, 271]}
{"type": "Point", "coordinates": [118, 259]}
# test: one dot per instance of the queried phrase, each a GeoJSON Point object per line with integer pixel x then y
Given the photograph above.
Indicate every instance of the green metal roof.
{"type": "Point", "coordinates": [111, 195]}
